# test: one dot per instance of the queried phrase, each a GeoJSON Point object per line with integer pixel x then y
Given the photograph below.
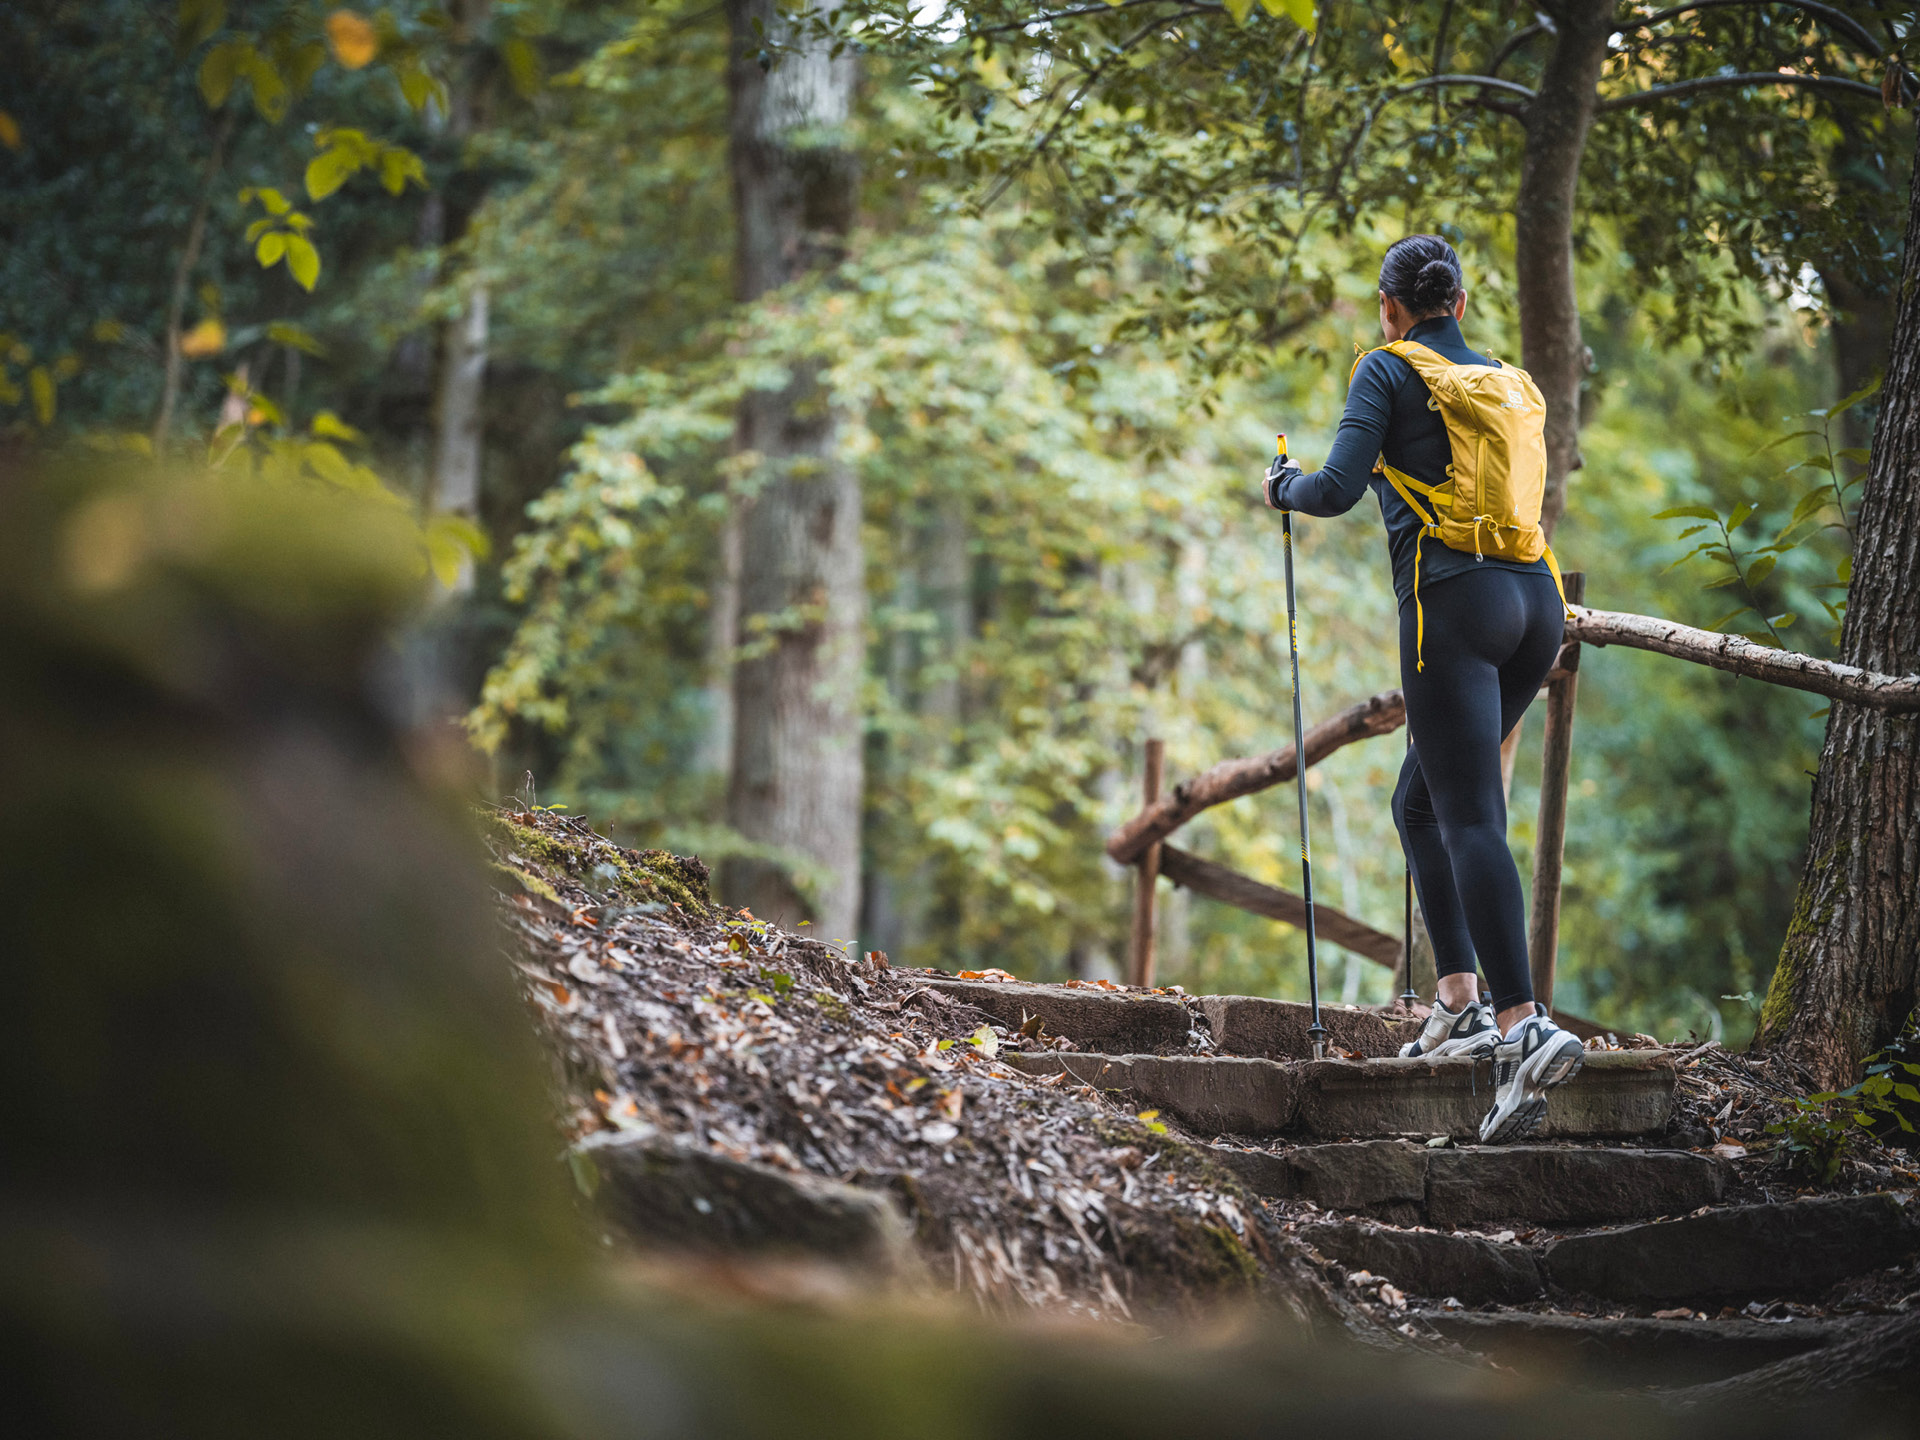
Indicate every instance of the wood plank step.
{"type": "Point", "coordinates": [1616, 1095]}
{"type": "Point", "coordinates": [1553, 1185]}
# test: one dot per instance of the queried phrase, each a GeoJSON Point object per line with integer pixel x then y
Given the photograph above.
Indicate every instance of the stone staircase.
{"type": "Point", "coordinates": [1578, 1251]}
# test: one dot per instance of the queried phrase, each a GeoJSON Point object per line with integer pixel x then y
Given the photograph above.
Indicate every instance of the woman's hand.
{"type": "Point", "coordinates": [1279, 474]}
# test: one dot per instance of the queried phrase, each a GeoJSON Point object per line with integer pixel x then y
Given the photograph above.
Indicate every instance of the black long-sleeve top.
{"type": "Point", "coordinates": [1387, 414]}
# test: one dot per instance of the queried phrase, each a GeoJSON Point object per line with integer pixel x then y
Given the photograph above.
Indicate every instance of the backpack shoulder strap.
{"type": "Point", "coordinates": [1429, 364]}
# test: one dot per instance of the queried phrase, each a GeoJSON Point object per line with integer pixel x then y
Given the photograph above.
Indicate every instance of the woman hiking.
{"type": "Point", "coordinates": [1480, 624]}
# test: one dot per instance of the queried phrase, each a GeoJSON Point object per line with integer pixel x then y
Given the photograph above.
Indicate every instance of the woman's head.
{"type": "Point", "coordinates": [1419, 278]}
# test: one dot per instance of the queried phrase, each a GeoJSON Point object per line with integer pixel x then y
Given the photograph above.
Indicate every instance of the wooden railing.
{"type": "Point", "coordinates": [1141, 841]}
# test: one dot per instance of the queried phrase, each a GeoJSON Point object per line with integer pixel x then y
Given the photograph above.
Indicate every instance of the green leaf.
{"type": "Point", "coordinates": [1688, 512]}
{"type": "Point", "coordinates": [1239, 10]}
{"type": "Point", "coordinates": [1810, 505]}
{"type": "Point", "coordinates": [198, 21]}
{"type": "Point", "coordinates": [1813, 462]}
{"type": "Point", "coordinates": [259, 228]}
{"type": "Point", "coordinates": [1786, 439]}
{"type": "Point", "coordinates": [40, 386]}
{"type": "Point", "coordinates": [1907, 1092]}
{"type": "Point", "coordinates": [329, 426]}
{"type": "Point", "coordinates": [1722, 582]}
{"type": "Point", "coordinates": [272, 248]}
{"type": "Point", "coordinates": [1689, 531]}
{"type": "Point", "coordinates": [1855, 454]}
{"type": "Point", "coordinates": [218, 70]}
{"type": "Point", "coordinates": [1760, 569]}
{"type": "Point", "coordinates": [1840, 407]}
{"type": "Point", "coordinates": [1741, 610]}
{"type": "Point", "coordinates": [1302, 12]}
{"type": "Point", "coordinates": [327, 172]}
{"type": "Point", "coordinates": [303, 261]}
{"type": "Point", "coordinates": [280, 332]}
{"type": "Point", "coordinates": [523, 67]}
{"type": "Point", "coordinates": [276, 203]}
{"type": "Point", "coordinates": [399, 165]}
{"type": "Point", "coordinates": [1784, 620]}
{"type": "Point", "coordinates": [271, 97]}
{"type": "Point", "coordinates": [1843, 572]}
{"type": "Point", "coordinates": [1739, 515]}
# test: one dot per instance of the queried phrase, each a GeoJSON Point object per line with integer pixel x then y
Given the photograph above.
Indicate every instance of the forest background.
{"type": "Point", "coordinates": [507, 294]}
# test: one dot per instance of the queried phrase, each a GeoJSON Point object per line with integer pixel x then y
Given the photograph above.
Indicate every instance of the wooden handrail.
{"type": "Point", "coordinates": [1848, 683]}
{"type": "Point", "coordinates": [1217, 882]}
{"type": "Point", "coordinates": [1230, 779]}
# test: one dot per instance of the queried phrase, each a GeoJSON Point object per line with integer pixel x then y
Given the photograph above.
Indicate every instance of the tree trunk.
{"type": "Point", "coordinates": [1846, 979]}
{"type": "Point", "coordinates": [459, 404]}
{"type": "Point", "coordinates": [1557, 121]}
{"type": "Point", "coordinates": [183, 276]}
{"type": "Point", "coordinates": [797, 759]}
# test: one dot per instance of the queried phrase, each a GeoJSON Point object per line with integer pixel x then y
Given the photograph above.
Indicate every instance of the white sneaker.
{"type": "Point", "coordinates": [1539, 1056]}
{"type": "Point", "coordinates": [1468, 1031]}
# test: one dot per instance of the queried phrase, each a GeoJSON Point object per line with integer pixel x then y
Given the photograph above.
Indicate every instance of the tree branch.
{"type": "Point", "coordinates": [1514, 42]}
{"type": "Point", "coordinates": [1716, 82]}
{"type": "Point", "coordinates": [1839, 19]}
{"type": "Point", "coordinates": [1053, 131]}
{"type": "Point", "coordinates": [183, 275]}
{"type": "Point", "coordinates": [1047, 18]}
{"type": "Point", "coordinates": [1849, 684]}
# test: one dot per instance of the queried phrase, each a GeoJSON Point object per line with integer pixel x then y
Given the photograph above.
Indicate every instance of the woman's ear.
{"type": "Point", "coordinates": [1460, 303]}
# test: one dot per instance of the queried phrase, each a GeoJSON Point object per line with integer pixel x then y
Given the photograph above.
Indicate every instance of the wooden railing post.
{"type": "Point", "coordinates": [1556, 761]}
{"type": "Point", "coordinates": [1140, 958]}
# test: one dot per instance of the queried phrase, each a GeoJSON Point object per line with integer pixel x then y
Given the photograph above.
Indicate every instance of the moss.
{"type": "Point", "coordinates": [1811, 914]}
{"type": "Point", "coordinates": [541, 855]}
{"type": "Point", "coordinates": [530, 882]}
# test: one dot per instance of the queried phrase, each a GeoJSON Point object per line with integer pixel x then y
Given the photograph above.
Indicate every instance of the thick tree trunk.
{"type": "Point", "coordinates": [1557, 121]}
{"type": "Point", "coordinates": [1846, 980]}
{"type": "Point", "coordinates": [797, 757]}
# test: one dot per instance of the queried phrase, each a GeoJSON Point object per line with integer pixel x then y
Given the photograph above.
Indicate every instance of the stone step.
{"type": "Point", "coordinates": [1616, 1095]}
{"type": "Point", "coordinates": [1630, 1351]}
{"type": "Point", "coordinates": [1794, 1248]}
{"type": "Point", "coordinates": [1134, 1022]}
{"type": "Point", "coordinates": [1431, 1263]}
{"type": "Point", "coordinates": [1552, 1185]}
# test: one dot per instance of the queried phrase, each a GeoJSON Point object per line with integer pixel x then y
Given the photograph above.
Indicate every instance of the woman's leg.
{"type": "Point", "coordinates": [1490, 640]}
{"type": "Point", "coordinates": [1419, 827]}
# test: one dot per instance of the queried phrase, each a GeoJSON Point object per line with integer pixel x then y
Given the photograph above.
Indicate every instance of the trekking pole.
{"type": "Point", "coordinates": [1316, 1032]}
{"type": "Point", "coordinates": [1409, 996]}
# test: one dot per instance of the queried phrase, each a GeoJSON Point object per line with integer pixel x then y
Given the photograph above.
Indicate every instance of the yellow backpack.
{"type": "Point", "coordinates": [1496, 422]}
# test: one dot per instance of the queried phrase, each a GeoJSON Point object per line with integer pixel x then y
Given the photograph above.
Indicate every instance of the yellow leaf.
{"type": "Point", "coordinates": [209, 337]}
{"type": "Point", "coordinates": [40, 382]}
{"type": "Point", "coordinates": [9, 131]}
{"type": "Point", "coordinates": [303, 261]}
{"type": "Point", "coordinates": [1301, 12]}
{"type": "Point", "coordinates": [1239, 9]}
{"type": "Point", "coordinates": [352, 38]}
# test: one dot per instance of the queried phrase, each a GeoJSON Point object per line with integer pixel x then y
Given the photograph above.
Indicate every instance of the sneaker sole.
{"type": "Point", "coordinates": [1475, 1045]}
{"type": "Point", "coordinates": [1561, 1066]}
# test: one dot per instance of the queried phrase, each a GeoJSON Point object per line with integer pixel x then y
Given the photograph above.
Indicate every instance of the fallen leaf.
{"type": "Point", "coordinates": [1727, 1150]}
{"type": "Point", "coordinates": [939, 1133]}
{"type": "Point", "coordinates": [1680, 1314]}
{"type": "Point", "coordinates": [950, 1102]}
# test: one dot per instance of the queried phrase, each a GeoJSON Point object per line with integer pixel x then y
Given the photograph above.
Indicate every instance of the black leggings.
{"type": "Point", "coordinates": [1491, 638]}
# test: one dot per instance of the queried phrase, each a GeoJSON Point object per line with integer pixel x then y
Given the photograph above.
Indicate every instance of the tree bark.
{"type": "Point", "coordinates": [460, 399]}
{"type": "Point", "coordinates": [1557, 121]}
{"type": "Point", "coordinates": [798, 766]}
{"type": "Point", "coordinates": [1846, 980]}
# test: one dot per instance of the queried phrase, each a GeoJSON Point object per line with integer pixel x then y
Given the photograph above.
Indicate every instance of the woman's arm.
{"type": "Point", "coordinates": [1337, 486]}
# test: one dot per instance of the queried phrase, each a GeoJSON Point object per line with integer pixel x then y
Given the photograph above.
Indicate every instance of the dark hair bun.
{"type": "Point", "coordinates": [1422, 273]}
{"type": "Point", "coordinates": [1434, 288]}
